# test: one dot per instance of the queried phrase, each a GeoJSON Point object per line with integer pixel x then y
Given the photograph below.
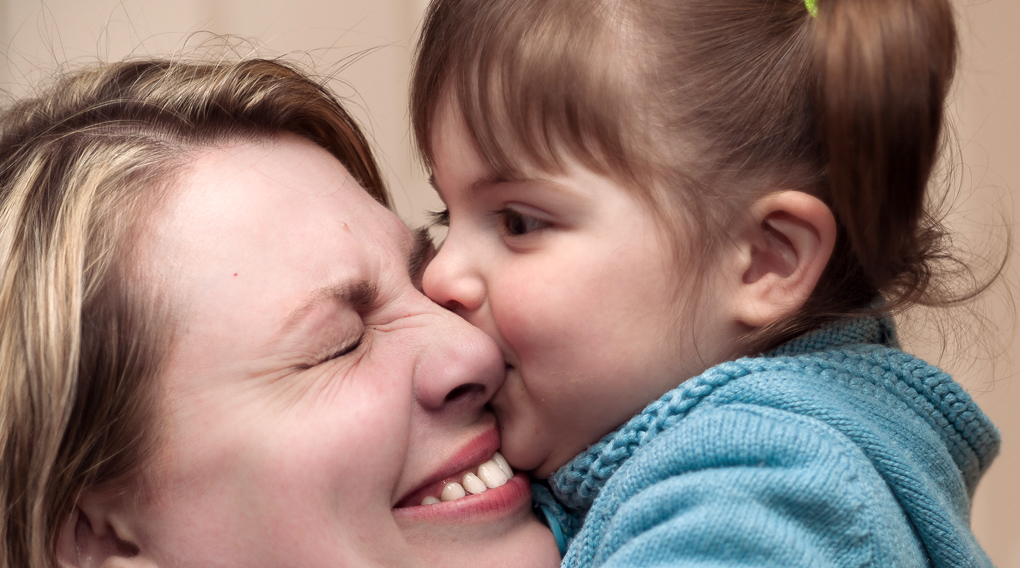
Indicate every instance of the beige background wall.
{"type": "Point", "coordinates": [987, 109]}
{"type": "Point", "coordinates": [37, 37]}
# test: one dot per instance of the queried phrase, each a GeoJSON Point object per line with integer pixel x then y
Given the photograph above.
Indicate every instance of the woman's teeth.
{"type": "Point", "coordinates": [491, 474]}
{"type": "Point", "coordinates": [474, 485]}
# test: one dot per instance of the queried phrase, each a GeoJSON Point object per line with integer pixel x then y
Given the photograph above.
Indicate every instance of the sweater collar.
{"type": "Point", "coordinates": [863, 329]}
{"type": "Point", "coordinates": [578, 483]}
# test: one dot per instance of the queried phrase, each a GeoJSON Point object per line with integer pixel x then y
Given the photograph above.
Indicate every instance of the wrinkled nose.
{"type": "Point", "coordinates": [459, 367]}
{"type": "Point", "coordinates": [452, 280]}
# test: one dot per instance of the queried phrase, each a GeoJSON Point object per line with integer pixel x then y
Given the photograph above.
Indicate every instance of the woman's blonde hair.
{"type": "Point", "coordinates": [82, 335]}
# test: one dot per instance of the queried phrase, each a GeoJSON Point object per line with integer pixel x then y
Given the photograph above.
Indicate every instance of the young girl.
{"type": "Point", "coordinates": [685, 223]}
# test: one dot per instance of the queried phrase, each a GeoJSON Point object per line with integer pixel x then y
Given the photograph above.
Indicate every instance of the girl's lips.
{"type": "Point", "coordinates": [495, 502]}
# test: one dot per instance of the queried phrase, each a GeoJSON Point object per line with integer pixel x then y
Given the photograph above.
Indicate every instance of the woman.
{"type": "Point", "coordinates": [213, 349]}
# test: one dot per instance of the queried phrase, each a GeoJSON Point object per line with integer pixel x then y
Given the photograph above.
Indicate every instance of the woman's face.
{"type": "Point", "coordinates": [315, 397]}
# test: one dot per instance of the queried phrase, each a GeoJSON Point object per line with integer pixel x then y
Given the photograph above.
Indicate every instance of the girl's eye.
{"type": "Point", "coordinates": [516, 223]}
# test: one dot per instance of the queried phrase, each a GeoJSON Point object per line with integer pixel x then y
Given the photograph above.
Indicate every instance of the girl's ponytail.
{"type": "Point", "coordinates": [883, 70]}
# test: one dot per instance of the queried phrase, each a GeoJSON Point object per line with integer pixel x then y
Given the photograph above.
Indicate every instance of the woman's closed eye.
{"type": "Point", "coordinates": [336, 354]}
{"type": "Point", "coordinates": [516, 223]}
{"type": "Point", "coordinates": [346, 350]}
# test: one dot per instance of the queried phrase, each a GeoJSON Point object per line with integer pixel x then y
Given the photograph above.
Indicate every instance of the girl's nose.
{"type": "Point", "coordinates": [453, 281]}
{"type": "Point", "coordinates": [459, 366]}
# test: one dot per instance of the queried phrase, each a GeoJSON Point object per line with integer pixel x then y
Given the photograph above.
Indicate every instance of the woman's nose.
{"type": "Point", "coordinates": [459, 366]}
{"type": "Point", "coordinates": [452, 280]}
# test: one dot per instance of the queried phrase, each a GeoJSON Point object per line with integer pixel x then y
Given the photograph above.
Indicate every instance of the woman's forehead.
{"type": "Point", "coordinates": [282, 188]}
{"type": "Point", "coordinates": [272, 219]}
{"type": "Point", "coordinates": [258, 233]}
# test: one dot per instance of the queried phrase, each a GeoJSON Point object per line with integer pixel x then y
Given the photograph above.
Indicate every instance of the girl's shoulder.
{"type": "Point", "coordinates": [771, 486]}
{"type": "Point", "coordinates": [853, 376]}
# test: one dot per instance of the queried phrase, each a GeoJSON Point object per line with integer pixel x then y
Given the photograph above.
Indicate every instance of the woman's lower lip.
{"type": "Point", "coordinates": [493, 503]}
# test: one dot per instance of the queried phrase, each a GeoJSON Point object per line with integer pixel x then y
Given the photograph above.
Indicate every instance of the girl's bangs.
{"type": "Point", "coordinates": [531, 95]}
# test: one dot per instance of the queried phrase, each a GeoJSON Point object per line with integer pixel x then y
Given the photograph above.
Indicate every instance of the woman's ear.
{"type": "Point", "coordinates": [97, 534]}
{"type": "Point", "coordinates": [785, 249]}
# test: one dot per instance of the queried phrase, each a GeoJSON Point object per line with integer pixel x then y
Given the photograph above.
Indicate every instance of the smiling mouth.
{"type": "Point", "coordinates": [489, 475]}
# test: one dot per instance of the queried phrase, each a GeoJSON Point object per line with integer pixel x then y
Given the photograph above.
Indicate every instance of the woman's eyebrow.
{"type": "Point", "coordinates": [359, 294]}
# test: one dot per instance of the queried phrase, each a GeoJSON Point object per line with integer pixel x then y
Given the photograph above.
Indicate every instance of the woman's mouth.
{"type": "Point", "coordinates": [471, 484]}
{"type": "Point", "coordinates": [491, 474]}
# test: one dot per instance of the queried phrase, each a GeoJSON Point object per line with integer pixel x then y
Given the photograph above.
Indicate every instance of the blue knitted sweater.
{"type": "Point", "coordinates": [835, 450]}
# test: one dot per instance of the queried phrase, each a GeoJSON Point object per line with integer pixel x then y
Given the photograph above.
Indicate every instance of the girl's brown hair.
{"type": "Point", "coordinates": [704, 105]}
{"type": "Point", "coordinates": [83, 334]}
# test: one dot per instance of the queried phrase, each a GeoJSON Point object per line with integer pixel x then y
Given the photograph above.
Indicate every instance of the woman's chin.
{"type": "Point", "coordinates": [491, 532]}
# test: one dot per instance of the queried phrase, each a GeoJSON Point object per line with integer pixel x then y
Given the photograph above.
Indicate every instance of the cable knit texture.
{"type": "Point", "coordinates": [836, 449]}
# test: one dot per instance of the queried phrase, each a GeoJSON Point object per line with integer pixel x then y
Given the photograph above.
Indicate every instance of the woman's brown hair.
{"type": "Point", "coordinates": [704, 105]}
{"type": "Point", "coordinates": [83, 334]}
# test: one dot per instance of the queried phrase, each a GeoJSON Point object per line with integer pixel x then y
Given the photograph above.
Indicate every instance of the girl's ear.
{"type": "Point", "coordinates": [784, 251]}
{"type": "Point", "coordinates": [97, 534]}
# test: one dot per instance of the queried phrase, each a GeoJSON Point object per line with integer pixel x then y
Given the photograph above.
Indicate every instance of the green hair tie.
{"type": "Point", "coordinates": [812, 7]}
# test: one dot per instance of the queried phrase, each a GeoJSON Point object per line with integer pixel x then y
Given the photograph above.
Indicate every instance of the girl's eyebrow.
{"type": "Point", "coordinates": [488, 181]}
{"type": "Point", "coordinates": [545, 185]}
{"type": "Point", "coordinates": [502, 179]}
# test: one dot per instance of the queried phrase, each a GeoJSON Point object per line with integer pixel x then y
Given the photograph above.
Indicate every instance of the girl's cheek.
{"type": "Point", "coordinates": [532, 326]}
{"type": "Point", "coordinates": [515, 325]}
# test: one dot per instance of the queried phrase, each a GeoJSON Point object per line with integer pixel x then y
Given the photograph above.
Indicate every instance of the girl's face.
{"type": "Point", "coordinates": [573, 278]}
{"type": "Point", "coordinates": [315, 397]}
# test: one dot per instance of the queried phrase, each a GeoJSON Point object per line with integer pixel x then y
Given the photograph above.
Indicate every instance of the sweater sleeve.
{"type": "Point", "coordinates": [742, 485]}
